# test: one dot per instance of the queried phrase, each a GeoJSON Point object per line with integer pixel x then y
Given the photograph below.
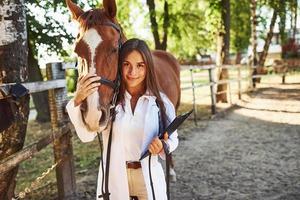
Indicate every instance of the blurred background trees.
{"type": "Point", "coordinates": [195, 31]}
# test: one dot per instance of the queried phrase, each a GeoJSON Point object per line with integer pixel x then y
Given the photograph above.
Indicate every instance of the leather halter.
{"type": "Point", "coordinates": [115, 85]}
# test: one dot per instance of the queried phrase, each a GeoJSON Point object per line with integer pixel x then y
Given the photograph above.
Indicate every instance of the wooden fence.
{"type": "Point", "coordinates": [61, 133]}
{"type": "Point", "coordinates": [212, 82]}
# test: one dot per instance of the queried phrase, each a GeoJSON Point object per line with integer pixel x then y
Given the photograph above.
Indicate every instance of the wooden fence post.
{"type": "Point", "coordinates": [212, 90]}
{"type": "Point", "coordinates": [194, 97]}
{"type": "Point", "coordinates": [63, 150]}
{"type": "Point", "coordinates": [283, 78]}
{"type": "Point", "coordinates": [239, 82]}
{"type": "Point", "coordinates": [251, 80]}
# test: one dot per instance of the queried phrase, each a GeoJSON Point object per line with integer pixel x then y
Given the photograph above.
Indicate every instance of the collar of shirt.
{"type": "Point", "coordinates": [147, 95]}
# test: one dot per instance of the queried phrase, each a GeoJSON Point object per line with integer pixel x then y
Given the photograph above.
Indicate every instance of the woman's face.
{"type": "Point", "coordinates": [134, 72]}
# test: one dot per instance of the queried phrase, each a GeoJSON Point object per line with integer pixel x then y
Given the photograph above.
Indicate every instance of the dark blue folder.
{"type": "Point", "coordinates": [170, 129]}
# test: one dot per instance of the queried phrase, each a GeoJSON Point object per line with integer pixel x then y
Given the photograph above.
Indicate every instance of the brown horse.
{"type": "Point", "coordinates": [97, 49]}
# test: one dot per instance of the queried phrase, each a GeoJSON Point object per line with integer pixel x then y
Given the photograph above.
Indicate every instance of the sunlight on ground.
{"type": "Point", "coordinates": [267, 104]}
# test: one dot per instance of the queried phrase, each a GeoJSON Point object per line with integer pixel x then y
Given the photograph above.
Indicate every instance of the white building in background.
{"type": "Point", "coordinates": [275, 49]}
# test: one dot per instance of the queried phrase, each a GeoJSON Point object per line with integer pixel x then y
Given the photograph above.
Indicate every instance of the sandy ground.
{"type": "Point", "coordinates": [252, 152]}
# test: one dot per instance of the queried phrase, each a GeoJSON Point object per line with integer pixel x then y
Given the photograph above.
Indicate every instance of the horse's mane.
{"type": "Point", "coordinates": [92, 18]}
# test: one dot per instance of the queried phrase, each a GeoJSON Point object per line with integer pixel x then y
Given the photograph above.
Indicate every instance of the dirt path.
{"type": "Point", "coordinates": [253, 152]}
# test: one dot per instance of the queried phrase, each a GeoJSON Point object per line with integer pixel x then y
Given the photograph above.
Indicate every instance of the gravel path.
{"type": "Point", "coordinates": [252, 152]}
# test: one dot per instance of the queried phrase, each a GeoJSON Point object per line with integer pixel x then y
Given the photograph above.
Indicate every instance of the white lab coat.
{"type": "Point", "coordinates": [118, 183]}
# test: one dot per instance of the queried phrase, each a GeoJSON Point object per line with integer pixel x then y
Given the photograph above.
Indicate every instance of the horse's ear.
{"type": "Point", "coordinates": [74, 9]}
{"type": "Point", "coordinates": [110, 7]}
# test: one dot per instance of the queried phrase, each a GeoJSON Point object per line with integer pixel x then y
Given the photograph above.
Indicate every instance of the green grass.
{"type": "Point", "coordinates": [86, 157]}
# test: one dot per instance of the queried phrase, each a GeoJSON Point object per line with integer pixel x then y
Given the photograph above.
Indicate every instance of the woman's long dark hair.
{"type": "Point", "coordinates": [150, 82]}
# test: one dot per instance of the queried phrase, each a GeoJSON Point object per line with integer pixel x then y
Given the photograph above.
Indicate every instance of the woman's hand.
{"type": "Point", "coordinates": [86, 85]}
{"type": "Point", "coordinates": [156, 145]}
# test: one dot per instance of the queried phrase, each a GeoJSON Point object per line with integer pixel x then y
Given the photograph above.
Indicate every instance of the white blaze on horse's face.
{"type": "Point", "coordinates": [92, 39]}
{"type": "Point", "coordinates": [94, 113]}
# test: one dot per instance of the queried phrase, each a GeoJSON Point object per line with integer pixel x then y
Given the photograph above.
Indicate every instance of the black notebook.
{"type": "Point", "coordinates": [171, 128]}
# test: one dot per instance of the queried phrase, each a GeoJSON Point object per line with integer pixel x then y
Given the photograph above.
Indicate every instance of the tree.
{"type": "Point", "coordinates": [13, 67]}
{"type": "Point", "coordinates": [282, 22]}
{"type": "Point", "coordinates": [222, 9]}
{"type": "Point", "coordinates": [294, 12]}
{"type": "Point", "coordinates": [162, 45]}
{"type": "Point", "coordinates": [49, 33]}
{"type": "Point", "coordinates": [240, 28]}
{"type": "Point", "coordinates": [178, 26]}
{"type": "Point", "coordinates": [263, 55]}
{"type": "Point", "coordinates": [275, 6]}
{"type": "Point", "coordinates": [254, 22]}
{"type": "Point", "coordinates": [189, 33]}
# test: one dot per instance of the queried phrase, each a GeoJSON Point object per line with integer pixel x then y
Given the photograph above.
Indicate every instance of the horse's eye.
{"type": "Point", "coordinates": [77, 35]}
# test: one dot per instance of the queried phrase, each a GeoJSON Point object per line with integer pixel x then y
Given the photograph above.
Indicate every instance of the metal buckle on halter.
{"type": "Point", "coordinates": [116, 92]}
{"type": "Point", "coordinates": [113, 104]}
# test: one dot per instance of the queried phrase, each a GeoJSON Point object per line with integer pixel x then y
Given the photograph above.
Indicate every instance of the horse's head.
{"type": "Point", "coordinates": [97, 46]}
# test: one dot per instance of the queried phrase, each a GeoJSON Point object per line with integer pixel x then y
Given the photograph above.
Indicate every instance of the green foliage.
{"type": "Point", "coordinates": [282, 17]}
{"type": "Point", "coordinates": [125, 18]}
{"type": "Point", "coordinates": [240, 27]}
{"type": "Point", "coordinates": [188, 35]}
{"type": "Point", "coordinates": [71, 78]}
{"type": "Point", "coordinates": [45, 30]}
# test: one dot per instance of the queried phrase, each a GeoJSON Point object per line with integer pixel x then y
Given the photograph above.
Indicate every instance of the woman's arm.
{"type": "Point", "coordinates": [76, 119]}
{"type": "Point", "coordinates": [85, 86]}
{"type": "Point", "coordinates": [156, 146]}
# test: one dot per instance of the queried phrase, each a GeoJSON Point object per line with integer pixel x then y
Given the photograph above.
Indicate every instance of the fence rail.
{"type": "Point", "coordinates": [34, 87]}
{"type": "Point", "coordinates": [61, 133]}
{"type": "Point", "coordinates": [28, 152]}
{"type": "Point", "coordinates": [212, 83]}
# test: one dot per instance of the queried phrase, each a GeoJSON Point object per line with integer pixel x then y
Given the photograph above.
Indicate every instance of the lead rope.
{"type": "Point", "coordinates": [101, 157]}
{"type": "Point", "coordinates": [105, 174]}
{"type": "Point", "coordinates": [161, 128]}
{"type": "Point", "coordinates": [161, 125]}
{"type": "Point", "coordinates": [168, 175]}
{"type": "Point", "coordinates": [151, 182]}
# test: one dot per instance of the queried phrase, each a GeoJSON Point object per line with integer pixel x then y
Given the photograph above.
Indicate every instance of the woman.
{"type": "Point", "coordinates": [140, 108]}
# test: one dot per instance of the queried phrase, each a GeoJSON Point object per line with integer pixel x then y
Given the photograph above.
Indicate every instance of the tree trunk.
{"type": "Point", "coordinates": [260, 68]}
{"type": "Point", "coordinates": [13, 68]}
{"type": "Point", "coordinates": [40, 99]}
{"type": "Point", "coordinates": [268, 40]}
{"type": "Point", "coordinates": [238, 57]}
{"type": "Point", "coordinates": [223, 51]}
{"type": "Point", "coordinates": [282, 16]}
{"type": "Point", "coordinates": [154, 26]}
{"type": "Point", "coordinates": [295, 19]}
{"type": "Point", "coordinates": [165, 26]}
{"type": "Point", "coordinates": [253, 59]}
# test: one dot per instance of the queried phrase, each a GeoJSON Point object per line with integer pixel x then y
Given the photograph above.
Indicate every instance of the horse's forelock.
{"type": "Point", "coordinates": [92, 18]}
